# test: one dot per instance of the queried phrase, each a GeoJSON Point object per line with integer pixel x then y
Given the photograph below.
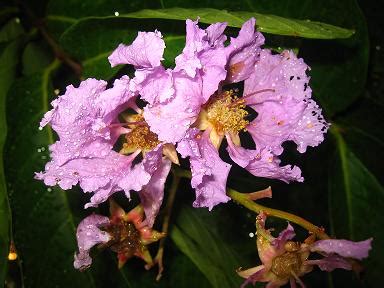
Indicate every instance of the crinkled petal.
{"type": "Point", "coordinates": [274, 124]}
{"type": "Point", "coordinates": [213, 71]}
{"type": "Point", "coordinates": [278, 91]}
{"type": "Point", "coordinates": [146, 51]}
{"type": "Point", "coordinates": [243, 52]}
{"type": "Point", "coordinates": [115, 100]}
{"type": "Point", "coordinates": [142, 172]}
{"type": "Point", "coordinates": [345, 248]}
{"type": "Point", "coordinates": [204, 55]}
{"type": "Point", "coordinates": [171, 120]}
{"type": "Point", "coordinates": [215, 36]}
{"type": "Point", "coordinates": [88, 235]}
{"type": "Point", "coordinates": [284, 73]}
{"type": "Point", "coordinates": [81, 118]}
{"type": "Point", "coordinates": [152, 194]}
{"type": "Point", "coordinates": [331, 263]}
{"type": "Point", "coordinates": [99, 175]}
{"type": "Point", "coordinates": [263, 163]}
{"type": "Point", "coordinates": [209, 172]}
{"type": "Point", "coordinates": [194, 43]}
{"type": "Point", "coordinates": [154, 85]}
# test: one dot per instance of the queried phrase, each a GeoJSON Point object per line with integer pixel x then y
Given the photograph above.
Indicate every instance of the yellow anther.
{"type": "Point", "coordinates": [226, 113]}
{"type": "Point", "coordinates": [140, 137]}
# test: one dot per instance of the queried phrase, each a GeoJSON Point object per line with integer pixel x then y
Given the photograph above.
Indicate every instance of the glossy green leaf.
{"type": "Point", "coordinates": [204, 247]}
{"type": "Point", "coordinates": [44, 226]}
{"type": "Point", "coordinates": [356, 201]}
{"type": "Point", "coordinates": [266, 23]}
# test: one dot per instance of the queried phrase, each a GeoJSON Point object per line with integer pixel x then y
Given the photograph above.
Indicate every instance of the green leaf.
{"type": "Point", "coordinates": [356, 201]}
{"type": "Point", "coordinates": [43, 223]}
{"type": "Point", "coordinates": [36, 57]}
{"type": "Point", "coordinates": [61, 14]}
{"type": "Point", "coordinates": [9, 59]}
{"type": "Point", "coordinates": [92, 40]}
{"type": "Point", "coordinates": [266, 23]}
{"type": "Point", "coordinates": [201, 242]}
{"type": "Point", "coordinates": [11, 30]}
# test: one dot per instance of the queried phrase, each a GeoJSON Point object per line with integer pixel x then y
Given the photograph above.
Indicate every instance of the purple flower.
{"type": "Point", "coordinates": [88, 235]}
{"type": "Point", "coordinates": [275, 87]}
{"type": "Point", "coordinates": [86, 121]}
{"type": "Point", "coordinates": [209, 172]}
{"type": "Point", "coordinates": [285, 261]}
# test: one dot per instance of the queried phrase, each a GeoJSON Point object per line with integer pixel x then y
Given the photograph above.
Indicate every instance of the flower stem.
{"type": "Point", "coordinates": [165, 228]}
{"type": "Point", "coordinates": [244, 200]}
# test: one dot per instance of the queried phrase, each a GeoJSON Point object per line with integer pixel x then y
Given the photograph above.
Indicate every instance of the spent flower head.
{"type": "Point", "coordinates": [285, 261]}
{"type": "Point", "coordinates": [124, 233]}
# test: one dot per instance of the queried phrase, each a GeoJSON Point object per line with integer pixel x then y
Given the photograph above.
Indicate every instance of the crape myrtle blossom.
{"type": "Point", "coordinates": [193, 96]}
{"type": "Point", "coordinates": [86, 120]}
{"type": "Point", "coordinates": [284, 261]}
{"type": "Point", "coordinates": [124, 233]}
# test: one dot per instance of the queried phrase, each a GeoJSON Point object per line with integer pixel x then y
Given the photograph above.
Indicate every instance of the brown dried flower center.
{"type": "Point", "coordinates": [125, 238]}
{"type": "Point", "coordinates": [285, 264]}
{"type": "Point", "coordinates": [226, 112]}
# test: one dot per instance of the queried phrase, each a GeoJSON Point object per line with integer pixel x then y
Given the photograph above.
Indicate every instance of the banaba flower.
{"type": "Point", "coordinates": [124, 233]}
{"type": "Point", "coordinates": [86, 120]}
{"type": "Point", "coordinates": [284, 261]}
{"type": "Point", "coordinates": [194, 95]}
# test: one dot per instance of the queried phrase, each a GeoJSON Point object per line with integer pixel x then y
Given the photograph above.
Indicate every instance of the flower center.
{"type": "Point", "coordinates": [225, 113]}
{"type": "Point", "coordinates": [140, 137]}
{"type": "Point", "coordinates": [285, 264]}
{"type": "Point", "coordinates": [125, 238]}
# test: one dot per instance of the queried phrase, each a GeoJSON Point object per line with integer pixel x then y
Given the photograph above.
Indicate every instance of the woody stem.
{"type": "Point", "coordinates": [245, 200]}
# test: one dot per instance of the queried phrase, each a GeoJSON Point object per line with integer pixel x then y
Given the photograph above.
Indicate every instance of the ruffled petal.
{"type": "Point", "coordinates": [209, 172]}
{"type": "Point", "coordinates": [263, 163]}
{"type": "Point", "coordinates": [146, 51]}
{"type": "Point", "coordinates": [345, 248]}
{"type": "Point", "coordinates": [243, 52]}
{"type": "Point", "coordinates": [171, 120]}
{"type": "Point", "coordinates": [154, 85]}
{"type": "Point", "coordinates": [278, 91]}
{"type": "Point", "coordinates": [152, 194]}
{"type": "Point", "coordinates": [88, 235]}
{"type": "Point", "coordinates": [204, 56]}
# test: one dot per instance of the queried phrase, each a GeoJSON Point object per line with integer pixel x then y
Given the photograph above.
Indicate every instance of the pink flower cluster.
{"type": "Point", "coordinates": [188, 110]}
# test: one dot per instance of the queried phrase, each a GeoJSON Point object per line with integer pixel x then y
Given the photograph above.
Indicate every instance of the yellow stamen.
{"type": "Point", "coordinates": [225, 114]}
{"type": "Point", "coordinates": [140, 137]}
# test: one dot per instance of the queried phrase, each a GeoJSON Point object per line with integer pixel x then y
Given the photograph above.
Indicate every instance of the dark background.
{"type": "Point", "coordinates": [342, 191]}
